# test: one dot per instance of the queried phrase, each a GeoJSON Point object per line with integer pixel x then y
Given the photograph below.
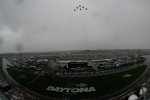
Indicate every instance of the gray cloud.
{"type": "Point", "coordinates": [43, 25]}
{"type": "Point", "coordinates": [19, 1]}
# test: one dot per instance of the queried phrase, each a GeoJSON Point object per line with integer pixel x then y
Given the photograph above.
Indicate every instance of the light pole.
{"type": "Point", "coordinates": [144, 92]}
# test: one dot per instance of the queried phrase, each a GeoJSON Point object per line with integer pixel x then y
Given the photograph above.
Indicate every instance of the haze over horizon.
{"type": "Point", "coordinates": [49, 25]}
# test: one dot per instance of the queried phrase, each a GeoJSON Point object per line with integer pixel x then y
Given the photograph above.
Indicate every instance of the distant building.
{"type": "Point", "coordinates": [138, 54]}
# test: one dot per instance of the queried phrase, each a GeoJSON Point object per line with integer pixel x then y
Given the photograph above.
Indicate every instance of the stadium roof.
{"type": "Point", "coordinates": [68, 61]}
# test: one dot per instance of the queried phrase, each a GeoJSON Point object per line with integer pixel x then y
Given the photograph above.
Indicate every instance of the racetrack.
{"type": "Point", "coordinates": [104, 85]}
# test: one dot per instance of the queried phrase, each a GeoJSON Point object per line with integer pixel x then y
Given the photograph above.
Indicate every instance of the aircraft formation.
{"type": "Point", "coordinates": [80, 7]}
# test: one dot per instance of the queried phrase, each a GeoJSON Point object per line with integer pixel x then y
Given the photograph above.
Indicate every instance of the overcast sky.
{"type": "Point", "coordinates": [49, 25]}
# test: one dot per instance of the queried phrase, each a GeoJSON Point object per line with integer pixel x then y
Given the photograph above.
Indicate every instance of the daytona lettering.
{"type": "Point", "coordinates": [73, 90]}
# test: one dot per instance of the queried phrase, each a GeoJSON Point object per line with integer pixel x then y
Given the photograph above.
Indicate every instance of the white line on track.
{"type": "Point", "coordinates": [32, 80]}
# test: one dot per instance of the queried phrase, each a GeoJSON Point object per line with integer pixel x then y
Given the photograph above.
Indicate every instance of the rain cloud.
{"type": "Point", "coordinates": [49, 25]}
